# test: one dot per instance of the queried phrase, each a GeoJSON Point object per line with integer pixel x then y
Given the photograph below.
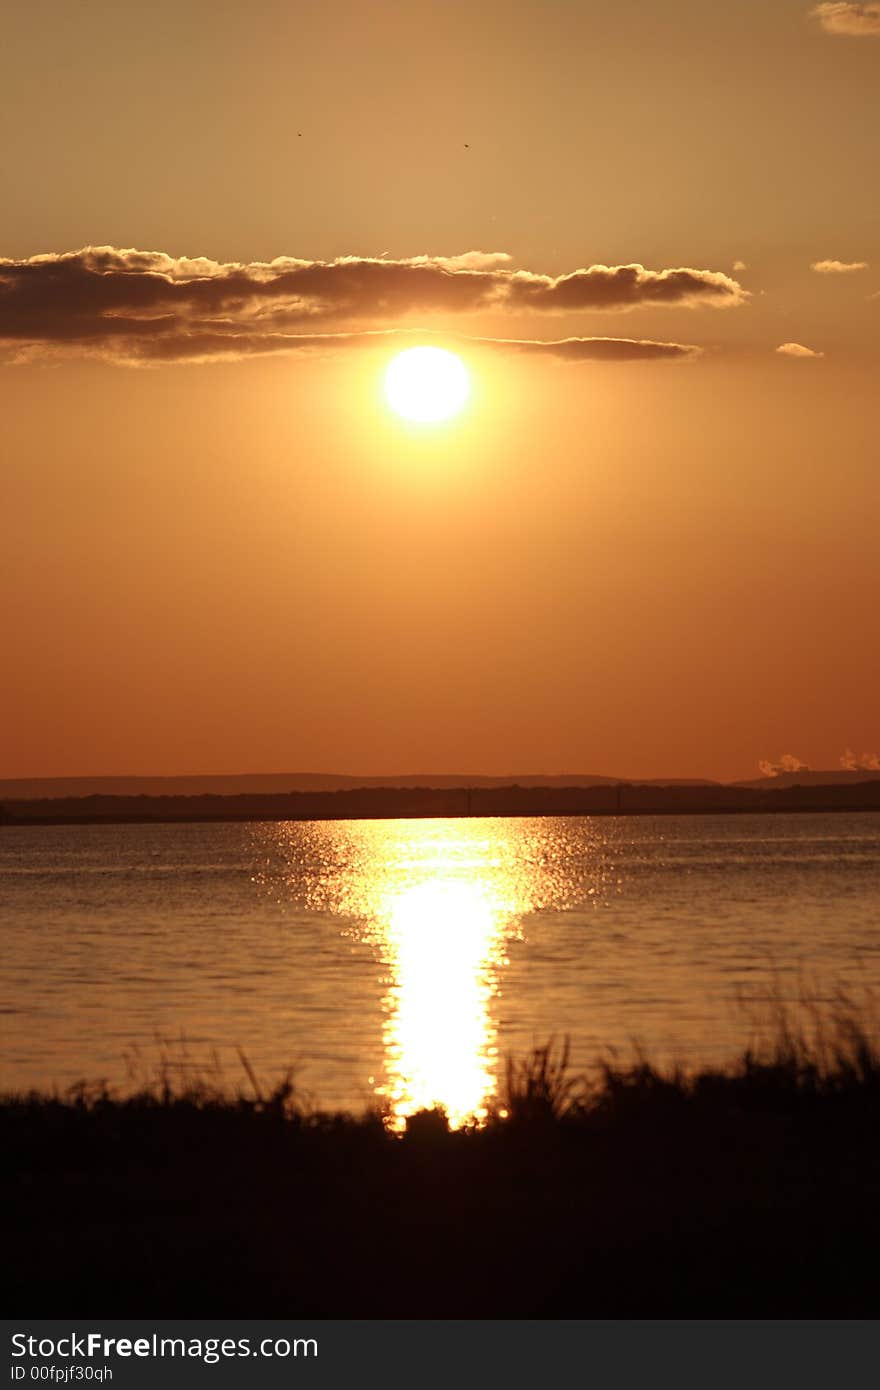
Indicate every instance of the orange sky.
{"type": "Point", "coordinates": [220, 552]}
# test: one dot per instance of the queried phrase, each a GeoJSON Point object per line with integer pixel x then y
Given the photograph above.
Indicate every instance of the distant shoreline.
{"type": "Point", "coordinates": [393, 803]}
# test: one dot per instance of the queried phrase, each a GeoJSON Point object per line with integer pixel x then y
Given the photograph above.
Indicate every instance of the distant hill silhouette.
{"type": "Point", "coordinates": [269, 783]}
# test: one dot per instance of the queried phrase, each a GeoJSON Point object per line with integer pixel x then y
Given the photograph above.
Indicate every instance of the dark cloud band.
{"type": "Point", "coordinates": [141, 304]}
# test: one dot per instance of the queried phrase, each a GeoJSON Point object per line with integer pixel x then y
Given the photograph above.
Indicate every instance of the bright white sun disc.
{"type": "Point", "coordinates": [426, 384]}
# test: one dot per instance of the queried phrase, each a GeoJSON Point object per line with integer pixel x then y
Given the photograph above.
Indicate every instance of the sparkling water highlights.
{"type": "Point", "coordinates": [437, 901]}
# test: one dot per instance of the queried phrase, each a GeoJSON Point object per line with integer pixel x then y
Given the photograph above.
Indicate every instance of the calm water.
{"type": "Point", "coordinates": [407, 958]}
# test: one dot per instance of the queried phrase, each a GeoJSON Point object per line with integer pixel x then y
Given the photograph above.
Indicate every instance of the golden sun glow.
{"type": "Point", "coordinates": [427, 384]}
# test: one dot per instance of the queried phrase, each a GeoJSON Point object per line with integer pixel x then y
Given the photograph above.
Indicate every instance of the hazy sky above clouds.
{"type": "Point", "coordinates": [648, 547]}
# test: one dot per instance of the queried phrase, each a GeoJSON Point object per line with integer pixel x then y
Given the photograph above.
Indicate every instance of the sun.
{"type": "Point", "coordinates": [427, 384]}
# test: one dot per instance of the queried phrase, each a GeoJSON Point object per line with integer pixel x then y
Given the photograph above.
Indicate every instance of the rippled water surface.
{"type": "Point", "coordinates": [408, 958]}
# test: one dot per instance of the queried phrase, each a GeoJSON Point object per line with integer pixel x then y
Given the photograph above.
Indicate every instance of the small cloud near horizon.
{"type": "Point", "coordinates": [838, 267]}
{"type": "Point", "coordinates": [740, 265]}
{"type": "Point", "coordinates": [130, 305]}
{"type": "Point", "coordinates": [868, 762]}
{"type": "Point", "coordinates": [787, 763]}
{"type": "Point", "coordinates": [856, 20]}
{"type": "Point", "coordinates": [797, 350]}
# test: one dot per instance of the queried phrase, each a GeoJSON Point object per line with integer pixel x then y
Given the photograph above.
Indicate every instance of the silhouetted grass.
{"type": "Point", "coordinates": [748, 1190]}
{"type": "Point", "coordinates": [540, 1089]}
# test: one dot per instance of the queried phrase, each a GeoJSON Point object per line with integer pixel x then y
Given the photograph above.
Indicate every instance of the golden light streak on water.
{"type": "Point", "coordinates": [437, 901]}
{"type": "Point", "coordinates": [441, 900]}
{"type": "Point", "coordinates": [445, 939]}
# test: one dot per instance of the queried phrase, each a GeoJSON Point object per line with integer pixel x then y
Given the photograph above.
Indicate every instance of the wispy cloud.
{"type": "Point", "coordinates": [838, 267]}
{"type": "Point", "coordinates": [847, 17]}
{"type": "Point", "coordinates": [233, 347]}
{"type": "Point", "coordinates": [147, 305]}
{"type": "Point", "coordinates": [597, 349]}
{"type": "Point", "coordinates": [797, 350]}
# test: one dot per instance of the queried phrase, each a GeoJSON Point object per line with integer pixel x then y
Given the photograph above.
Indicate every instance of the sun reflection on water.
{"type": "Point", "coordinates": [445, 939]}
{"type": "Point", "coordinates": [438, 902]}
{"type": "Point", "coordinates": [441, 900]}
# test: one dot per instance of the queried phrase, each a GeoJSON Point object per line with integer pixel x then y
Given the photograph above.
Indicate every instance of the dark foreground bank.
{"type": "Point", "coordinates": [749, 1193]}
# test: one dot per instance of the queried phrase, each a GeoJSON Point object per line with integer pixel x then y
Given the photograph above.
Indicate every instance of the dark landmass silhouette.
{"type": "Point", "coordinates": [236, 784]}
{"type": "Point", "coordinates": [276, 783]}
{"type": "Point", "coordinates": [388, 803]}
{"type": "Point", "coordinates": [807, 778]}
